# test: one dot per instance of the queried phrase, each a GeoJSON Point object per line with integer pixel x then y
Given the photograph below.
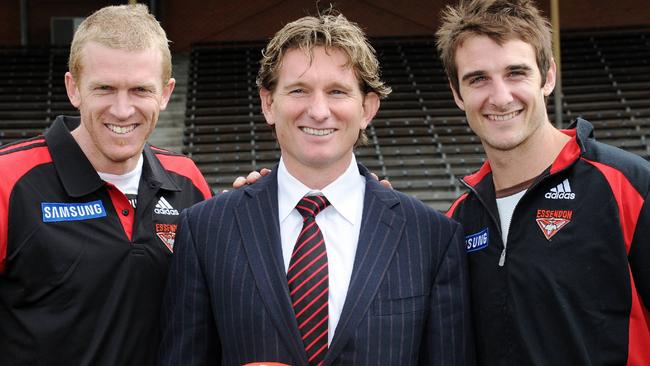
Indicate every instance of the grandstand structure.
{"type": "Point", "coordinates": [419, 139]}
{"type": "Point", "coordinates": [32, 91]}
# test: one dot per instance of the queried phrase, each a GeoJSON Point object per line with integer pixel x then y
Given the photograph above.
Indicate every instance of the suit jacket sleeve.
{"type": "Point", "coordinates": [189, 335]}
{"type": "Point", "coordinates": [448, 337]}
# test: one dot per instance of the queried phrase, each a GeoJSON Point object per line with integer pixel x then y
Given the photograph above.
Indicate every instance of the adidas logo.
{"type": "Point", "coordinates": [164, 208]}
{"type": "Point", "coordinates": [561, 192]}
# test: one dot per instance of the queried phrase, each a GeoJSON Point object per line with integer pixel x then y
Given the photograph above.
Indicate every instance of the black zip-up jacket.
{"type": "Point", "coordinates": [573, 286]}
{"type": "Point", "coordinates": [81, 271]}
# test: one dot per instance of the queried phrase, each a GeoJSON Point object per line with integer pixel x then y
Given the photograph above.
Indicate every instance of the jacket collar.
{"type": "Point", "coordinates": [579, 131]}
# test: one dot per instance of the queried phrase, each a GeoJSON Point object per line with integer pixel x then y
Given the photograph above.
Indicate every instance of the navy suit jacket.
{"type": "Point", "coordinates": [227, 301]}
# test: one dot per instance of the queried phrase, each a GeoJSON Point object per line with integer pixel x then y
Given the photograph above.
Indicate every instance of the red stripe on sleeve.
{"type": "Point", "coordinates": [638, 352]}
{"type": "Point", "coordinates": [186, 167]}
{"type": "Point", "coordinates": [454, 206]}
{"type": "Point", "coordinates": [19, 145]}
{"type": "Point", "coordinates": [629, 203]}
{"type": "Point", "coordinates": [13, 166]}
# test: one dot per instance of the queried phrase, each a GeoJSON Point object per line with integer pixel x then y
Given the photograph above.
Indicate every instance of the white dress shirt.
{"type": "Point", "coordinates": [340, 224]}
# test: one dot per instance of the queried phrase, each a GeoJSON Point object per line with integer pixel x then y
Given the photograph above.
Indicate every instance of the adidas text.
{"type": "Point", "coordinates": [560, 195]}
{"type": "Point", "coordinates": [166, 211]}
{"type": "Point", "coordinates": [561, 192]}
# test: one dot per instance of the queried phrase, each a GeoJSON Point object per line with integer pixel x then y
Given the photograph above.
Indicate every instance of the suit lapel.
{"type": "Point", "coordinates": [257, 217]}
{"type": "Point", "coordinates": [381, 230]}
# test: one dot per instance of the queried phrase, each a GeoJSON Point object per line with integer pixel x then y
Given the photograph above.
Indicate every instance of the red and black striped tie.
{"type": "Point", "coordinates": [308, 280]}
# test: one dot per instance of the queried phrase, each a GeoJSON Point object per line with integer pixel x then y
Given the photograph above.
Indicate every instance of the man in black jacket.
{"type": "Point", "coordinates": [556, 224]}
{"type": "Point", "coordinates": [88, 211]}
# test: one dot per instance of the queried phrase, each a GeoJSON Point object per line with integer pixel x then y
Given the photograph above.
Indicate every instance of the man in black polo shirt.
{"type": "Point", "coordinates": [88, 211]}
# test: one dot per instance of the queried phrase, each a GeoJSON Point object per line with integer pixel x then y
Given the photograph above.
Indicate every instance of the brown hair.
{"type": "Point", "coordinates": [330, 31]}
{"type": "Point", "coordinates": [500, 20]}
{"type": "Point", "coordinates": [124, 27]}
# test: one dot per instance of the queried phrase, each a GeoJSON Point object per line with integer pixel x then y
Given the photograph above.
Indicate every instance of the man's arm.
{"type": "Point", "coordinates": [448, 337]}
{"type": "Point", "coordinates": [189, 335]}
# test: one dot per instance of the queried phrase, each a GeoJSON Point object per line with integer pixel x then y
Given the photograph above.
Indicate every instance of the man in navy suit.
{"type": "Point", "coordinates": [366, 276]}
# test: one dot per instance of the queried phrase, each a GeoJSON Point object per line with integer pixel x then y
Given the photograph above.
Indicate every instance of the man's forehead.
{"type": "Point", "coordinates": [477, 52]}
{"type": "Point", "coordinates": [94, 48]}
{"type": "Point", "coordinates": [101, 62]}
{"type": "Point", "coordinates": [297, 62]}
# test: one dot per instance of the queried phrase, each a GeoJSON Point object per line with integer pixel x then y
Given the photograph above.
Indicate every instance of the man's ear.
{"type": "Point", "coordinates": [551, 77]}
{"type": "Point", "coordinates": [167, 93]}
{"type": "Point", "coordinates": [370, 108]}
{"type": "Point", "coordinates": [457, 98]}
{"type": "Point", "coordinates": [266, 99]}
{"type": "Point", "coordinates": [72, 89]}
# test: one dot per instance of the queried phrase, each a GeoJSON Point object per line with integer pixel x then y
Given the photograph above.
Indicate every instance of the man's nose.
{"type": "Point", "coordinates": [122, 107]}
{"type": "Point", "coordinates": [500, 93]}
{"type": "Point", "coordinates": [319, 108]}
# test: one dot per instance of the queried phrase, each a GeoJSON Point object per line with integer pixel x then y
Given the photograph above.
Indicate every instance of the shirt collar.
{"type": "Point", "coordinates": [340, 193]}
{"type": "Point", "coordinates": [77, 174]}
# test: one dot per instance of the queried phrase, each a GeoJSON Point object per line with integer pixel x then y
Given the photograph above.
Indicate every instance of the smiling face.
{"type": "Point", "coordinates": [501, 91]}
{"type": "Point", "coordinates": [318, 110]}
{"type": "Point", "coordinates": [119, 95]}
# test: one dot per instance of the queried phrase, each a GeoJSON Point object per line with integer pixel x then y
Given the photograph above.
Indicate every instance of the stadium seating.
{"type": "Point", "coordinates": [32, 91]}
{"type": "Point", "coordinates": [419, 139]}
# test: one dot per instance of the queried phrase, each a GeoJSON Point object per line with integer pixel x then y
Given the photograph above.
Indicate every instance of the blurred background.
{"type": "Point", "coordinates": [419, 140]}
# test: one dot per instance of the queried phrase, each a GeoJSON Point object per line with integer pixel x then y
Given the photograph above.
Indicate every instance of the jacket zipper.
{"type": "Point", "coordinates": [502, 256]}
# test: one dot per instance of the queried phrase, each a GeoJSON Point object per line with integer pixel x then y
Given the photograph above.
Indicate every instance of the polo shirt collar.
{"type": "Point", "coordinates": [77, 174]}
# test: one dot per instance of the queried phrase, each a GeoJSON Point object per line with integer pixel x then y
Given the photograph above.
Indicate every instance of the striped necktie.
{"type": "Point", "coordinates": [308, 280]}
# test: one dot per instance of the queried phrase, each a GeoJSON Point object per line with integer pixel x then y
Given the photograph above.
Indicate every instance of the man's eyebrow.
{"type": "Point", "coordinates": [95, 84]}
{"type": "Point", "coordinates": [519, 67]}
{"type": "Point", "coordinates": [148, 86]}
{"type": "Point", "coordinates": [473, 74]}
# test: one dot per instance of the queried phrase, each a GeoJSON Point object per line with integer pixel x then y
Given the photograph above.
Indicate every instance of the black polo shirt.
{"type": "Point", "coordinates": [82, 271]}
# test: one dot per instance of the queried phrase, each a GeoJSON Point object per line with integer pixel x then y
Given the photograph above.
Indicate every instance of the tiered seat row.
{"type": "Point", "coordinates": [607, 81]}
{"type": "Point", "coordinates": [32, 91]}
{"type": "Point", "coordinates": [419, 139]}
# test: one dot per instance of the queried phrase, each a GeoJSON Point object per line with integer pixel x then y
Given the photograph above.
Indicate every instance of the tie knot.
{"type": "Point", "coordinates": [310, 206]}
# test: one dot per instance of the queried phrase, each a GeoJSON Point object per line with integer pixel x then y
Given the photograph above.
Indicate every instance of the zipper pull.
{"type": "Point", "coordinates": [502, 258]}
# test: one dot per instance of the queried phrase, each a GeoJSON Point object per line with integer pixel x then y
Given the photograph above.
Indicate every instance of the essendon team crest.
{"type": "Point", "coordinates": [552, 221]}
{"type": "Point", "coordinates": [166, 233]}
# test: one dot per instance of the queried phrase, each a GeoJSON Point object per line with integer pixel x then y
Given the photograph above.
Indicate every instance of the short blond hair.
{"type": "Point", "coordinates": [332, 31]}
{"type": "Point", "coordinates": [500, 20]}
{"type": "Point", "coordinates": [123, 27]}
